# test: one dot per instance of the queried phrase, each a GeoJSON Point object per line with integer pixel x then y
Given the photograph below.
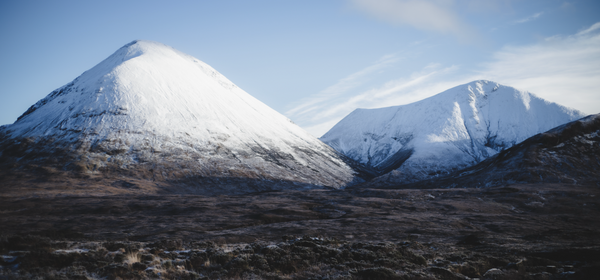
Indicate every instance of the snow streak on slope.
{"type": "Point", "coordinates": [447, 132]}
{"type": "Point", "coordinates": [150, 105]}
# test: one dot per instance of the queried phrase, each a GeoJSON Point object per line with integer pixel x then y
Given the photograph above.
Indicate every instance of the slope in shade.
{"type": "Point", "coordinates": [153, 112]}
{"type": "Point", "coordinates": [444, 133]}
{"type": "Point", "coordinates": [568, 154]}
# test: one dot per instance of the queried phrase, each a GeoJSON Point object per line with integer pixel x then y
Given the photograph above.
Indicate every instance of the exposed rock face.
{"type": "Point", "coordinates": [151, 112]}
{"type": "Point", "coordinates": [444, 133]}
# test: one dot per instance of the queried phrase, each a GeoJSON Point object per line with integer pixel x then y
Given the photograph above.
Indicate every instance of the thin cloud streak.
{"type": "Point", "coordinates": [589, 30]}
{"type": "Point", "coordinates": [529, 18]}
{"type": "Point", "coordinates": [320, 114]}
{"type": "Point", "coordinates": [344, 85]}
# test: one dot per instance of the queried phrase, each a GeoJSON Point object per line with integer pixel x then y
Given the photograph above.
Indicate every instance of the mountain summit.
{"type": "Point", "coordinates": [154, 113]}
{"type": "Point", "coordinates": [446, 132]}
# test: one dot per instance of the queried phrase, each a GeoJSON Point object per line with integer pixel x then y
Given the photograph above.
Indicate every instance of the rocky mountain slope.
{"type": "Point", "coordinates": [152, 113]}
{"type": "Point", "coordinates": [568, 154]}
{"type": "Point", "coordinates": [444, 133]}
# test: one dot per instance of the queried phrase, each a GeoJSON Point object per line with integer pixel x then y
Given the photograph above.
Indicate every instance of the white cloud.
{"type": "Point", "coordinates": [529, 18]}
{"type": "Point", "coordinates": [562, 69]}
{"type": "Point", "coordinates": [431, 15]}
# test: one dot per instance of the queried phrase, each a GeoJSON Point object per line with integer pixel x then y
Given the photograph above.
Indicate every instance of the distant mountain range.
{"type": "Point", "coordinates": [447, 132]}
{"type": "Point", "coordinates": [151, 119]}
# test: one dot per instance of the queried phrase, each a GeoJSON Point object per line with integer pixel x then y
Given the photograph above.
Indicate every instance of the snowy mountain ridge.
{"type": "Point", "coordinates": [446, 132]}
{"type": "Point", "coordinates": [150, 105]}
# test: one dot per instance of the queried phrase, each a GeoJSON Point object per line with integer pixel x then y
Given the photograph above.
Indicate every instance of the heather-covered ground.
{"type": "Point", "coordinates": [512, 232]}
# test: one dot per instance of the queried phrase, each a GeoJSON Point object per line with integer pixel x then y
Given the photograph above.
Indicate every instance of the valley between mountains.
{"type": "Point", "coordinates": [152, 165]}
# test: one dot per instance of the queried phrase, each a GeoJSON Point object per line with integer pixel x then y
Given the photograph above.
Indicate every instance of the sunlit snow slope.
{"type": "Point", "coordinates": [153, 109]}
{"type": "Point", "coordinates": [446, 132]}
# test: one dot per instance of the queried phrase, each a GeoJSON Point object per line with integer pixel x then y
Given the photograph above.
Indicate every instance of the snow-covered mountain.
{"type": "Point", "coordinates": [446, 132]}
{"type": "Point", "coordinates": [153, 112]}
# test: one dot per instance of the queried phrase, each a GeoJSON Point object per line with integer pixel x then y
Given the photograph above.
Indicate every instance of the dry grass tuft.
{"type": "Point", "coordinates": [131, 258]}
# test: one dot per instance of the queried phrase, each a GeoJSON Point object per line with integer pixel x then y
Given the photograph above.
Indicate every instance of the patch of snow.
{"type": "Point", "coordinates": [560, 145]}
{"type": "Point", "coordinates": [71, 251]}
{"type": "Point", "coordinates": [8, 259]}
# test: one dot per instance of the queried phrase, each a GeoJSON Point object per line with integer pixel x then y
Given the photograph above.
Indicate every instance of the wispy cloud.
{"type": "Point", "coordinates": [562, 69]}
{"type": "Point", "coordinates": [595, 27]}
{"type": "Point", "coordinates": [321, 112]}
{"type": "Point", "coordinates": [430, 15]}
{"type": "Point", "coordinates": [529, 18]}
{"type": "Point", "coordinates": [343, 86]}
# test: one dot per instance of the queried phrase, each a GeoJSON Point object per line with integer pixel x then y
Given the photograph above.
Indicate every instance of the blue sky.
{"type": "Point", "coordinates": [313, 60]}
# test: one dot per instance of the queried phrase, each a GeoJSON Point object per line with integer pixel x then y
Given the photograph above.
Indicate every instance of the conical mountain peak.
{"type": "Point", "coordinates": [148, 98]}
{"type": "Point", "coordinates": [146, 86]}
